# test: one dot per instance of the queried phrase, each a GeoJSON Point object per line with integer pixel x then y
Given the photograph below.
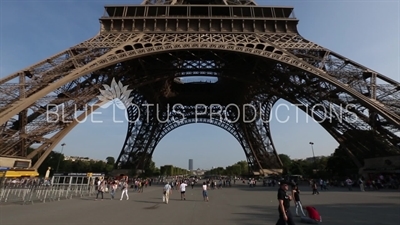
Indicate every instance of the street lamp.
{"type": "Point", "coordinates": [312, 149]}
{"type": "Point", "coordinates": [59, 158]}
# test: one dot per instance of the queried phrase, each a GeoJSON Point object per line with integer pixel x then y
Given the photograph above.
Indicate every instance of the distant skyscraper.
{"type": "Point", "coordinates": [190, 164]}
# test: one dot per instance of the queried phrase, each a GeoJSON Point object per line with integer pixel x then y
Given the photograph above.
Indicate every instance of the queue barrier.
{"type": "Point", "coordinates": [61, 186]}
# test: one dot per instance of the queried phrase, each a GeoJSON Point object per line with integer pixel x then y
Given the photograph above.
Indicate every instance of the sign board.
{"type": "Point", "coordinates": [21, 164]}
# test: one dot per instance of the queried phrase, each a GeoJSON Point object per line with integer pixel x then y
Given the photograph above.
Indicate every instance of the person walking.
{"type": "Point", "coordinates": [100, 190]}
{"type": "Point", "coordinates": [124, 188]}
{"type": "Point", "coordinates": [167, 190]}
{"type": "Point", "coordinates": [113, 189]}
{"type": "Point", "coordinates": [297, 202]}
{"type": "Point", "coordinates": [183, 190]}
{"type": "Point", "coordinates": [285, 216]}
{"type": "Point", "coordinates": [361, 184]}
{"type": "Point", "coordinates": [205, 194]}
{"type": "Point", "coordinates": [349, 184]}
{"type": "Point", "coordinates": [315, 188]}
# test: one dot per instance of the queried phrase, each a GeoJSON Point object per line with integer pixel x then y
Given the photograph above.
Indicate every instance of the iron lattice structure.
{"type": "Point", "coordinates": [256, 52]}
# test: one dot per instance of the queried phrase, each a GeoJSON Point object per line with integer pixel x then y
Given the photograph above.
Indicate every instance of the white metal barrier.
{"type": "Point", "coordinates": [61, 186]}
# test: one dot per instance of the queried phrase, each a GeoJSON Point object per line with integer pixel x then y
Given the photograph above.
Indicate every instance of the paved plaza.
{"type": "Point", "coordinates": [236, 205]}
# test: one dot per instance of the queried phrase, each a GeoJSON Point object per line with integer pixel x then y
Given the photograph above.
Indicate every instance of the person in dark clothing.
{"type": "Point", "coordinates": [315, 188]}
{"type": "Point", "coordinates": [296, 200]}
{"type": "Point", "coordinates": [285, 217]}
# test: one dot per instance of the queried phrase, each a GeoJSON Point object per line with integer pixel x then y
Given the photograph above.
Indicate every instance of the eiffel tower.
{"type": "Point", "coordinates": [255, 54]}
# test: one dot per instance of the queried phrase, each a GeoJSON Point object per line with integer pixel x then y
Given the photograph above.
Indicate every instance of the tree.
{"type": "Point", "coordinates": [52, 161]}
{"type": "Point", "coordinates": [298, 167]}
{"type": "Point", "coordinates": [150, 169]}
{"type": "Point", "coordinates": [81, 166]}
{"type": "Point", "coordinates": [233, 170]}
{"type": "Point", "coordinates": [110, 160]}
{"type": "Point", "coordinates": [339, 164]}
{"type": "Point", "coordinates": [287, 162]}
{"type": "Point", "coordinates": [244, 167]}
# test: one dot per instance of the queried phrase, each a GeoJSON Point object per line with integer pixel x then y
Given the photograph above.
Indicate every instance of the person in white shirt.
{"type": "Point", "coordinates": [205, 194]}
{"type": "Point", "coordinates": [349, 183]}
{"type": "Point", "coordinates": [361, 183]}
{"type": "Point", "coordinates": [166, 191]}
{"type": "Point", "coordinates": [124, 188]}
{"type": "Point", "coordinates": [183, 190]}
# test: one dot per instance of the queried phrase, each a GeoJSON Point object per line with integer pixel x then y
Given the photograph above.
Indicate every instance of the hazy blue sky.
{"type": "Point", "coordinates": [365, 31]}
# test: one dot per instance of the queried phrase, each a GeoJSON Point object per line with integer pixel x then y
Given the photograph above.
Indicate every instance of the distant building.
{"type": "Point", "coordinates": [79, 158]}
{"type": "Point", "coordinates": [198, 172]}
{"type": "Point", "coordinates": [190, 164]}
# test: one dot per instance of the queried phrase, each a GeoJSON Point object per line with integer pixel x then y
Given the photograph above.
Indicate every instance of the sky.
{"type": "Point", "coordinates": [367, 32]}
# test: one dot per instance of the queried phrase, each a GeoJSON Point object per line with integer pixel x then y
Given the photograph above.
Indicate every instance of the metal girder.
{"type": "Point", "coordinates": [48, 146]}
{"type": "Point", "coordinates": [120, 55]}
{"type": "Point", "coordinates": [272, 65]}
{"type": "Point", "coordinates": [61, 105]}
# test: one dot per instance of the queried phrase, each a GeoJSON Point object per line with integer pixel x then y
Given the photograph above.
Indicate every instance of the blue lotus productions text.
{"type": "Point", "coordinates": [231, 113]}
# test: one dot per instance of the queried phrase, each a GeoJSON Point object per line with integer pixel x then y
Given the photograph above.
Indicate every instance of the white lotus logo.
{"type": "Point", "coordinates": [116, 91]}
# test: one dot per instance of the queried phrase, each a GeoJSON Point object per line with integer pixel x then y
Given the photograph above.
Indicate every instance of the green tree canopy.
{"type": "Point", "coordinates": [287, 162]}
{"type": "Point", "coordinates": [339, 164]}
{"type": "Point", "coordinates": [110, 160]}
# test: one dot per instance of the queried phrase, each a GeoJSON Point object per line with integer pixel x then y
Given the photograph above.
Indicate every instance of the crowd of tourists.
{"type": "Point", "coordinates": [373, 183]}
{"type": "Point", "coordinates": [112, 185]}
{"type": "Point", "coordinates": [288, 191]}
